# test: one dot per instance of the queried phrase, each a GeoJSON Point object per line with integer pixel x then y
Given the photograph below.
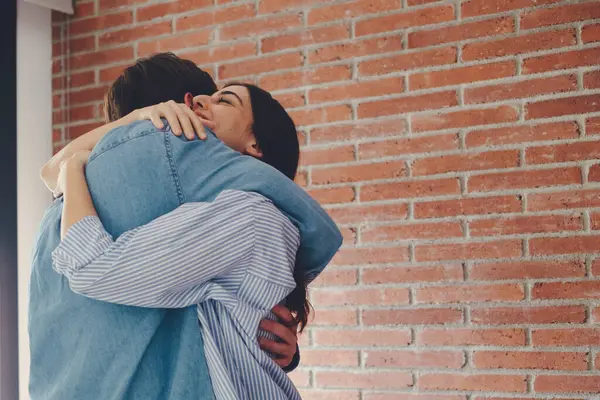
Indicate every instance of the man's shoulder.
{"type": "Point", "coordinates": [126, 133]}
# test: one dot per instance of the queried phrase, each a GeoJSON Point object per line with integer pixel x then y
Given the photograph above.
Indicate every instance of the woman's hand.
{"type": "Point", "coordinates": [75, 163]}
{"type": "Point", "coordinates": [285, 348]}
{"type": "Point", "coordinates": [181, 118]}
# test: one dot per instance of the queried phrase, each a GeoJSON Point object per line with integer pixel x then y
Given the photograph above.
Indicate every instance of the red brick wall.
{"type": "Point", "coordinates": [456, 144]}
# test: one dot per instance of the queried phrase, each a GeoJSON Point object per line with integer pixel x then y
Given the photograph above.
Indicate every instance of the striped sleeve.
{"type": "Point", "coordinates": [165, 263]}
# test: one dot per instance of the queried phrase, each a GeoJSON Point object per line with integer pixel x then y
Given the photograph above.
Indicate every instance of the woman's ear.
{"type": "Point", "coordinates": [253, 149]}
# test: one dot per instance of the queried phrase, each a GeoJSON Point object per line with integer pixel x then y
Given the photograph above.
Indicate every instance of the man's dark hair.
{"type": "Point", "coordinates": [156, 79]}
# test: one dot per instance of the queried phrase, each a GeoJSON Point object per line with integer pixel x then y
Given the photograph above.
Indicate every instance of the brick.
{"type": "Point", "coordinates": [291, 100]}
{"type": "Point", "coordinates": [100, 57]}
{"type": "Point", "coordinates": [108, 75]}
{"type": "Point", "coordinates": [525, 224]}
{"type": "Point", "coordinates": [408, 145]}
{"type": "Point", "coordinates": [468, 251]}
{"type": "Point", "coordinates": [74, 131]}
{"type": "Point", "coordinates": [81, 44]}
{"type": "Point", "coordinates": [334, 317]}
{"type": "Point", "coordinates": [388, 23]}
{"type": "Point", "coordinates": [333, 195]}
{"type": "Point", "coordinates": [566, 290]}
{"type": "Point", "coordinates": [538, 269]}
{"type": "Point", "coordinates": [216, 17]}
{"type": "Point", "coordinates": [100, 23]}
{"type": "Point", "coordinates": [567, 384]}
{"type": "Point", "coordinates": [305, 38]}
{"type": "Point", "coordinates": [566, 337]}
{"type": "Point", "coordinates": [521, 89]}
{"type": "Point", "coordinates": [564, 245]}
{"type": "Point", "coordinates": [253, 27]}
{"type": "Point", "coordinates": [106, 5]}
{"type": "Point", "coordinates": [413, 316]}
{"type": "Point", "coordinates": [83, 10]}
{"type": "Point", "coordinates": [309, 76]}
{"type": "Point", "coordinates": [563, 153]}
{"type": "Point", "coordinates": [338, 358]}
{"type": "Point", "coordinates": [468, 206]}
{"type": "Point", "coordinates": [81, 79]}
{"type": "Point", "coordinates": [563, 200]}
{"type": "Point", "coordinates": [154, 11]}
{"type": "Point", "coordinates": [330, 394]}
{"type": "Point", "coordinates": [221, 53]}
{"type": "Point", "coordinates": [561, 61]}
{"type": "Point", "coordinates": [375, 255]}
{"type": "Point", "coordinates": [409, 396]}
{"type": "Point", "coordinates": [357, 8]}
{"type": "Point", "coordinates": [269, 6]}
{"type": "Point", "coordinates": [465, 162]}
{"type": "Point", "coordinates": [260, 65]}
{"type": "Point", "coordinates": [560, 15]}
{"type": "Point", "coordinates": [176, 42]}
{"type": "Point", "coordinates": [333, 277]}
{"type": "Point", "coordinates": [356, 90]}
{"type": "Point", "coordinates": [409, 61]}
{"type": "Point", "coordinates": [591, 80]}
{"type": "Point", "coordinates": [530, 360]}
{"type": "Point", "coordinates": [529, 315]}
{"type": "Point", "coordinates": [469, 293]}
{"type": "Point", "coordinates": [414, 359]}
{"type": "Point", "coordinates": [362, 337]}
{"type": "Point", "coordinates": [596, 319]}
{"type": "Point", "coordinates": [592, 126]}
{"type": "Point", "coordinates": [427, 273]}
{"type": "Point", "coordinates": [519, 45]}
{"type": "Point", "coordinates": [354, 49]}
{"type": "Point", "coordinates": [522, 134]}
{"type": "Point", "coordinates": [564, 106]}
{"type": "Point", "coordinates": [364, 380]}
{"type": "Point", "coordinates": [360, 172]}
{"type": "Point", "coordinates": [368, 213]}
{"type": "Point", "coordinates": [82, 113]}
{"type": "Point", "coordinates": [87, 95]}
{"type": "Point", "coordinates": [329, 155]}
{"type": "Point", "coordinates": [388, 233]}
{"type": "Point", "coordinates": [358, 130]}
{"type": "Point", "coordinates": [590, 33]}
{"type": "Point", "coordinates": [321, 115]}
{"type": "Point", "coordinates": [410, 189]}
{"type": "Point", "coordinates": [300, 378]}
{"type": "Point", "coordinates": [501, 383]}
{"type": "Point", "coordinates": [524, 179]}
{"type": "Point", "coordinates": [464, 31]}
{"type": "Point", "coordinates": [456, 76]}
{"type": "Point", "coordinates": [474, 8]}
{"type": "Point", "coordinates": [471, 337]}
{"type": "Point", "coordinates": [359, 296]}
{"type": "Point", "coordinates": [464, 118]}
{"type": "Point", "coordinates": [136, 33]}
{"type": "Point", "coordinates": [407, 104]}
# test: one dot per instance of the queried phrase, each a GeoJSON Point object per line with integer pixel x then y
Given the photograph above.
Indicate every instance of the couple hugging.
{"type": "Point", "coordinates": [174, 261]}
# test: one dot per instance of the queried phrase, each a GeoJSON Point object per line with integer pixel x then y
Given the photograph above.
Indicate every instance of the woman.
{"type": "Point", "coordinates": [157, 265]}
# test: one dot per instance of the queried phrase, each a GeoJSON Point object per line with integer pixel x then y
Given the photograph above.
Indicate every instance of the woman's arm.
{"type": "Point", "coordinates": [77, 200]}
{"type": "Point", "coordinates": [181, 119]}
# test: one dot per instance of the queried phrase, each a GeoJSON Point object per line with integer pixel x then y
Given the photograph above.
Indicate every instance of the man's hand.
{"type": "Point", "coordinates": [285, 348]}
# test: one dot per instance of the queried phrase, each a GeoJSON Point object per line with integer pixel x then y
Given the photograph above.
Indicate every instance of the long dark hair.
{"type": "Point", "coordinates": [277, 139]}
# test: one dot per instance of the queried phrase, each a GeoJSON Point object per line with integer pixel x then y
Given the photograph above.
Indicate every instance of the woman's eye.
{"type": "Point", "coordinates": [223, 100]}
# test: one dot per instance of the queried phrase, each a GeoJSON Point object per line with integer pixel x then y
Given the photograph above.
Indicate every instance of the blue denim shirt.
{"type": "Point", "coordinates": [86, 349]}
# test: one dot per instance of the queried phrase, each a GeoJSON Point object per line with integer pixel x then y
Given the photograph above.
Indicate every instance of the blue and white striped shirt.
{"type": "Point", "coordinates": [233, 257]}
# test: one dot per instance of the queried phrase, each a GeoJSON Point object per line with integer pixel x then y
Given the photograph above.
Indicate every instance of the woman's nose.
{"type": "Point", "coordinates": [201, 102]}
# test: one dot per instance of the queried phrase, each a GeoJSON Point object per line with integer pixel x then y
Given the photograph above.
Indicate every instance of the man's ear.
{"type": "Point", "coordinates": [253, 149]}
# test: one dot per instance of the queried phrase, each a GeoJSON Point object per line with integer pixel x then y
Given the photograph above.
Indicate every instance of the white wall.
{"type": "Point", "coordinates": [34, 147]}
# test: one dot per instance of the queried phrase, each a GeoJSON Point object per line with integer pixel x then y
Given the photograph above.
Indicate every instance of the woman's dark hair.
{"type": "Point", "coordinates": [156, 79]}
{"type": "Point", "coordinates": [277, 139]}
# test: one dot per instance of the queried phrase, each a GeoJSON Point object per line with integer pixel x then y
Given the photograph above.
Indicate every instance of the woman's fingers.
{"type": "Point", "coordinates": [196, 122]}
{"type": "Point", "coordinates": [156, 120]}
{"type": "Point", "coordinates": [171, 117]}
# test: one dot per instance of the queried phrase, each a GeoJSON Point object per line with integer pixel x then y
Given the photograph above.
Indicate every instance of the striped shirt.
{"type": "Point", "coordinates": [233, 257]}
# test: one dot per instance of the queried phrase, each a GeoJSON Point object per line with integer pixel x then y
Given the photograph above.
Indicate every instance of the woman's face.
{"type": "Point", "coordinates": [231, 111]}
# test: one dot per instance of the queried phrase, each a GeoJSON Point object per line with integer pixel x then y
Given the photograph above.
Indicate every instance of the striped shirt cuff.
{"type": "Point", "coordinates": [84, 242]}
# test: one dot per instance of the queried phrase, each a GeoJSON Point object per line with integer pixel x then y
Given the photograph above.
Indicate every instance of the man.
{"type": "Point", "coordinates": [88, 349]}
